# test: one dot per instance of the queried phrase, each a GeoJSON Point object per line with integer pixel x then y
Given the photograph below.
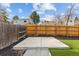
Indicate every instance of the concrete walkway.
{"type": "Point", "coordinates": [37, 52]}
{"type": "Point", "coordinates": [38, 46]}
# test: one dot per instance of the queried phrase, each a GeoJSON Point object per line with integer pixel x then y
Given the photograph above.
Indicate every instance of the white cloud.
{"type": "Point", "coordinates": [9, 10]}
{"type": "Point", "coordinates": [20, 10]}
{"type": "Point", "coordinates": [62, 14]}
{"type": "Point", "coordinates": [41, 8]}
{"type": "Point", "coordinates": [5, 5]}
{"type": "Point", "coordinates": [49, 17]}
{"type": "Point", "coordinates": [76, 8]}
{"type": "Point", "coordinates": [77, 5]}
{"type": "Point", "coordinates": [10, 17]}
{"type": "Point", "coordinates": [40, 12]}
{"type": "Point", "coordinates": [48, 6]}
{"type": "Point", "coordinates": [42, 18]}
{"type": "Point", "coordinates": [22, 17]}
{"type": "Point", "coordinates": [68, 6]}
{"type": "Point", "coordinates": [44, 6]}
{"type": "Point", "coordinates": [36, 6]}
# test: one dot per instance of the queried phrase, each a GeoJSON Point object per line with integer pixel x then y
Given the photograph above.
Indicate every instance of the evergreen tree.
{"type": "Point", "coordinates": [35, 17]}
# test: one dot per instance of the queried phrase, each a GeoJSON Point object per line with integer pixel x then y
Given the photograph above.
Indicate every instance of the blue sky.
{"type": "Point", "coordinates": [21, 9]}
{"type": "Point", "coordinates": [24, 10]}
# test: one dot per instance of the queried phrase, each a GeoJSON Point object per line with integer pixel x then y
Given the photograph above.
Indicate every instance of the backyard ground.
{"type": "Point", "coordinates": [73, 51]}
{"type": "Point", "coordinates": [38, 46]}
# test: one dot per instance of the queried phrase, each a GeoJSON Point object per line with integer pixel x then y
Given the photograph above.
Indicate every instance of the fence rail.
{"type": "Point", "coordinates": [9, 34]}
{"type": "Point", "coordinates": [52, 30]}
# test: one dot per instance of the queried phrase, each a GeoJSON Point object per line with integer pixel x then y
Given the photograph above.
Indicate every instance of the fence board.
{"type": "Point", "coordinates": [9, 34]}
{"type": "Point", "coordinates": [53, 30]}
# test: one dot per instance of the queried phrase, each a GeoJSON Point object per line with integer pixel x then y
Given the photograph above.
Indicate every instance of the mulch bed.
{"type": "Point", "coordinates": [11, 52]}
{"type": "Point", "coordinates": [8, 51]}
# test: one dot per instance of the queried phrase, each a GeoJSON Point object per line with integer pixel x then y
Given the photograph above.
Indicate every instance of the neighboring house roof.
{"type": "Point", "coordinates": [29, 20]}
{"type": "Point", "coordinates": [47, 23]}
{"type": "Point", "coordinates": [20, 21]}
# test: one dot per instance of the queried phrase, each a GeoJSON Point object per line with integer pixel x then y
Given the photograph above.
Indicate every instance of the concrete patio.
{"type": "Point", "coordinates": [38, 46]}
{"type": "Point", "coordinates": [34, 42]}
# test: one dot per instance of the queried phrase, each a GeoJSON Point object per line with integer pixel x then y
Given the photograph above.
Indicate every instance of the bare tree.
{"type": "Point", "coordinates": [58, 18]}
{"type": "Point", "coordinates": [3, 15]}
{"type": "Point", "coordinates": [70, 13]}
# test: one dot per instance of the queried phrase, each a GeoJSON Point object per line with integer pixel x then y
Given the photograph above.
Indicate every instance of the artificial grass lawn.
{"type": "Point", "coordinates": [73, 51]}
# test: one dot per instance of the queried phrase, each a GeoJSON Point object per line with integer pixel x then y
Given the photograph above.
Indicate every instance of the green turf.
{"type": "Point", "coordinates": [73, 51]}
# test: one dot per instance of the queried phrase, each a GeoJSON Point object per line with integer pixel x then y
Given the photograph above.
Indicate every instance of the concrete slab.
{"type": "Point", "coordinates": [37, 52]}
{"type": "Point", "coordinates": [36, 42]}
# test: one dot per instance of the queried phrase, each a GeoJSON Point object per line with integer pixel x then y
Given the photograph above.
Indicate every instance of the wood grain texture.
{"type": "Point", "coordinates": [9, 34]}
{"type": "Point", "coordinates": [52, 30]}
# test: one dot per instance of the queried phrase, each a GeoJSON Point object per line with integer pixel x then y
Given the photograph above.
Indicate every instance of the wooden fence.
{"type": "Point", "coordinates": [52, 30]}
{"type": "Point", "coordinates": [10, 34]}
